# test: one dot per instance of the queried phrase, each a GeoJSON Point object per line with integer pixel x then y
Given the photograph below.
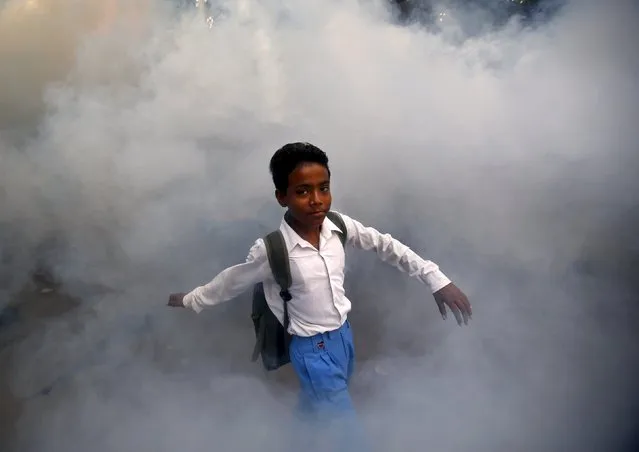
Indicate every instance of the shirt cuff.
{"type": "Point", "coordinates": [436, 280]}
{"type": "Point", "coordinates": [189, 302]}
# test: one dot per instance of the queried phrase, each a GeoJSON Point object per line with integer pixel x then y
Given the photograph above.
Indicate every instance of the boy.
{"type": "Point", "coordinates": [321, 348]}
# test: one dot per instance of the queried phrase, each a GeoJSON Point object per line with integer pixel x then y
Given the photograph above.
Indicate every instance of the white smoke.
{"type": "Point", "coordinates": [139, 145]}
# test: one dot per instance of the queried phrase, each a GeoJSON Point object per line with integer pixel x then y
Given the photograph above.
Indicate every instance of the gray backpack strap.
{"type": "Point", "coordinates": [260, 324]}
{"type": "Point", "coordinates": [336, 218]}
{"type": "Point", "coordinates": [280, 267]}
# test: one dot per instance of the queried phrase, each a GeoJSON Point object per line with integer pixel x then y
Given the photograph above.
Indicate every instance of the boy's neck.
{"type": "Point", "coordinates": [303, 231]}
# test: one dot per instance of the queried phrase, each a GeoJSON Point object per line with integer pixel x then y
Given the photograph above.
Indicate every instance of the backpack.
{"type": "Point", "coordinates": [272, 338]}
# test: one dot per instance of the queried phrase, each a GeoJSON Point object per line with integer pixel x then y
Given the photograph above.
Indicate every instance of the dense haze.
{"type": "Point", "coordinates": [134, 146]}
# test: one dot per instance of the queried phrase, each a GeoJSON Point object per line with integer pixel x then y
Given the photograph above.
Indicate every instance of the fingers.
{"type": "Point", "coordinates": [467, 307]}
{"type": "Point", "coordinates": [456, 312]}
{"type": "Point", "coordinates": [453, 298]}
{"type": "Point", "coordinates": [464, 312]}
{"type": "Point", "coordinates": [176, 301]}
{"type": "Point", "coordinates": [442, 309]}
{"type": "Point", "coordinates": [460, 308]}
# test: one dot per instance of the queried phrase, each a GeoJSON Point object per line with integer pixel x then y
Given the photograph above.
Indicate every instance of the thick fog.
{"type": "Point", "coordinates": [134, 148]}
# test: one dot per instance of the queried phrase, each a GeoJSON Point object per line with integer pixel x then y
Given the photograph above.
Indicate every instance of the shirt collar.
{"type": "Point", "coordinates": [293, 239]}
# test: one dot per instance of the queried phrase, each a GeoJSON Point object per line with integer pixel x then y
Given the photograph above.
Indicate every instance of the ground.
{"type": "Point", "coordinates": [40, 302]}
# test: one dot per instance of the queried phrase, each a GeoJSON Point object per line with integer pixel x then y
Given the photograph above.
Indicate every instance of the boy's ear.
{"type": "Point", "coordinates": [281, 198]}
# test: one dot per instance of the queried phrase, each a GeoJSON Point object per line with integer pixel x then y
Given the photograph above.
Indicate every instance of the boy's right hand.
{"type": "Point", "coordinates": [176, 300]}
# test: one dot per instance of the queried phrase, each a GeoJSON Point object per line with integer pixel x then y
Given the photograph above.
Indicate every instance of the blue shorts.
{"type": "Point", "coordinates": [324, 364]}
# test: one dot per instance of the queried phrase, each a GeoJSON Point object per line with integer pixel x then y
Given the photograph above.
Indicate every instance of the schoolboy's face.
{"type": "Point", "coordinates": [308, 196]}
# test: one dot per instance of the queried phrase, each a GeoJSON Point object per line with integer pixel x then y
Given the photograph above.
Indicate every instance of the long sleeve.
{"type": "Point", "coordinates": [232, 281]}
{"type": "Point", "coordinates": [395, 253]}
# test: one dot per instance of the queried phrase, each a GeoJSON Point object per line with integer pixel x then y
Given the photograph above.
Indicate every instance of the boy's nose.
{"type": "Point", "coordinates": [315, 199]}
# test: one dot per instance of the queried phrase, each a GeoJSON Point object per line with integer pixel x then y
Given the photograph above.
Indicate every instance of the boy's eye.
{"type": "Point", "coordinates": [306, 190]}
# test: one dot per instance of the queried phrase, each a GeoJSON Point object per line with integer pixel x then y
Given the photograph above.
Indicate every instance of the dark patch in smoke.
{"type": "Point", "coordinates": [138, 167]}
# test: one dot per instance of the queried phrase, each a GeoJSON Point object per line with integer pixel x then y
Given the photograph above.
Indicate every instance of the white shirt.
{"type": "Point", "coordinates": [319, 303]}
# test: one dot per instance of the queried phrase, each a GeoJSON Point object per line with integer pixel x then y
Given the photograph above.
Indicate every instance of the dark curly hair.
{"type": "Point", "coordinates": [289, 156]}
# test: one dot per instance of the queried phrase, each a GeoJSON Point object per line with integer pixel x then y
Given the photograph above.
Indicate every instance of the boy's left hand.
{"type": "Point", "coordinates": [456, 301]}
{"type": "Point", "coordinates": [176, 300]}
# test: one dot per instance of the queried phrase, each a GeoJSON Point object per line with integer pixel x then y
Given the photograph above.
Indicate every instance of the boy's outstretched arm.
{"type": "Point", "coordinates": [229, 283]}
{"type": "Point", "coordinates": [395, 253]}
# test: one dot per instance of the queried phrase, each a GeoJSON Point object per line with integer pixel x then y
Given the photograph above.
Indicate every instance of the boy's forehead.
{"type": "Point", "coordinates": [309, 173]}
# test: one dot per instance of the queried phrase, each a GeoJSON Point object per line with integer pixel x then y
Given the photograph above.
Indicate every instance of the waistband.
{"type": "Point", "coordinates": [317, 341]}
